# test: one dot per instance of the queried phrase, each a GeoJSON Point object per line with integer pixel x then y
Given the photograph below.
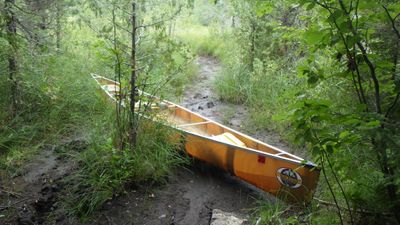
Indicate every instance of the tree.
{"type": "Point", "coordinates": [371, 67]}
{"type": "Point", "coordinates": [134, 55]}
{"type": "Point", "coordinates": [11, 36]}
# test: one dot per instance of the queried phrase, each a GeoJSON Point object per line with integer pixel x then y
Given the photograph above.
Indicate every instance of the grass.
{"type": "Point", "coordinates": [59, 101]}
{"type": "Point", "coordinates": [202, 40]}
{"type": "Point", "coordinates": [53, 104]}
{"type": "Point", "coordinates": [106, 171]}
{"type": "Point", "coordinates": [278, 213]}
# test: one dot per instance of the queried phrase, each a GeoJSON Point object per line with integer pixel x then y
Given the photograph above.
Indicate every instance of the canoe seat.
{"type": "Point", "coordinates": [229, 138]}
{"type": "Point", "coordinates": [143, 104]}
{"type": "Point", "coordinates": [111, 88]}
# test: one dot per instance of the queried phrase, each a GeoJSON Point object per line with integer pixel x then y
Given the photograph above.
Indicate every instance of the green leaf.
{"type": "Point", "coordinates": [310, 6]}
{"type": "Point", "coordinates": [368, 4]}
{"type": "Point", "coordinates": [313, 36]}
{"type": "Point", "coordinates": [335, 16]}
{"type": "Point", "coordinates": [351, 40]}
{"type": "Point", "coordinates": [280, 117]}
{"type": "Point", "coordinates": [344, 134]}
{"type": "Point", "coordinates": [374, 123]}
{"type": "Point", "coordinates": [263, 7]}
{"type": "Point", "coordinates": [385, 64]}
{"type": "Point", "coordinates": [345, 27]}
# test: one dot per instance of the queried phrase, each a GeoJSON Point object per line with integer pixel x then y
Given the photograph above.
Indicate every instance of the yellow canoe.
{"type": "Point", "coordinates": [266, 167]}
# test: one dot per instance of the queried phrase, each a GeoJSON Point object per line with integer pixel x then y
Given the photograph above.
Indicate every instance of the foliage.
{"type": "Point", "coordinates": [55, 105]}
{"type": "Point", "coordinates": [327, 73]}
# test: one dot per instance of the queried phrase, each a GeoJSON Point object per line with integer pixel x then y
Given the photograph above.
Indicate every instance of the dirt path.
{"type": "Point", "coordinates": [188, 198]}
{"type": "Point", "coordinates": [201, 97]}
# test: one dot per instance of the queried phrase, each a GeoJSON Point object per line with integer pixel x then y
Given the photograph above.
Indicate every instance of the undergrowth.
{"type": "Point", "coordinates": [106, 171]}
{"type": "Point", "coordinates": [53, 105]}
{"type": "Point", "coordinates": [203, 40]}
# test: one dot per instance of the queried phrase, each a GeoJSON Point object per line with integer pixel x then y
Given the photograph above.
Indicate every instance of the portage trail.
{"type": "Point", "coordinates": [201, 97]}
{"type": "Point", "coordinates": [199, 192]}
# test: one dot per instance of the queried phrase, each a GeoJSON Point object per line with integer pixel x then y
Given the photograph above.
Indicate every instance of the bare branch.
{"type": "Point", "coordinates": [161, 21]}
{"type": "Point", "coordinates": [392, 21]}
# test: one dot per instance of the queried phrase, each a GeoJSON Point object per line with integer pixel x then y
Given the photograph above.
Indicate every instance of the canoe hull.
{"type": "Point", "coordinates": [256, 169]}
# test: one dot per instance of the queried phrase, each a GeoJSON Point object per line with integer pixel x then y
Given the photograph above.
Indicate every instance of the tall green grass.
{"type": "Point", "coordinates": [203, 40]}
{"type": "Point", "coordinates": [106, 171]}
{"type": "Point", "coordinates": [57, 100]}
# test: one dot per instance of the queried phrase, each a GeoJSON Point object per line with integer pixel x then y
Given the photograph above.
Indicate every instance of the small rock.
{"type": "Point", "coordinates": [197, 95]}
{"type": "Point", "coordinates": [162, 216]}
{"type": "Point", "coordinates": [220, 217]}
{"type": "Point", "coordinates": [210, 104]}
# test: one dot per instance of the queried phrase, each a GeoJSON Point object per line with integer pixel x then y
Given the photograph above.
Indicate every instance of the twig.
{"type": "Point", "coordinates": [360, 211]}
{"type": "Point", "coordinates": [15, 194]}
{"type": "Point", "coordinates": [11, 205]}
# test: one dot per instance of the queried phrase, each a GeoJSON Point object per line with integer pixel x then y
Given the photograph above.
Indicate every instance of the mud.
{"type": "Point", "coordinates": [31, 196]}
{"type": "Point", "coordinates": [188, 198]}
{"type": "Point", "coordinates": [201, 97]}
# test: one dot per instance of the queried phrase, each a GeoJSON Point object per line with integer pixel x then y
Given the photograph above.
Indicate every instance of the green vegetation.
{"type": "Point", "coordinates": [322, 74]}
{"type": "Point", "coordinates": [50, 99]}
{"type": "Point", "coordinates": [56, 102]}
{"type": "Point", "coordinates": [107, 171]}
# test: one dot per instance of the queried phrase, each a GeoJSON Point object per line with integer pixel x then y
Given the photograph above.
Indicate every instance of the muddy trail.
{"type": "Point", "coordinates": [202, 98]}
{"type": "Point", "coordinates": [198, 194]}
{"type": "Point", "coordinates": [31, 195]}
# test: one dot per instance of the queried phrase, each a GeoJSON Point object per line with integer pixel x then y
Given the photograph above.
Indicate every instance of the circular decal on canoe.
{"type": "Point", "coordinates": [289, 178]}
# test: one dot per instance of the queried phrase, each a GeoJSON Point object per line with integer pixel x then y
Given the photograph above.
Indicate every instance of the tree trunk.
{"type": "Point", "coordinates": [133, 132]}
{"type": "Point", "coordinates": [388, 171]}
{"type": "Point", "coordinates": [11, 31]}
{"type": "Point", "coordinates": [253, 45]}
{"type": "Point", "coordinates": [58, 26]}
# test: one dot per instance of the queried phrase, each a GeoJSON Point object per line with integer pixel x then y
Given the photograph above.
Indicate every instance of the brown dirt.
{"type": "Point", "coordinates": [30, 197]}
{"type": "Point", "coordinates": [188, 198]}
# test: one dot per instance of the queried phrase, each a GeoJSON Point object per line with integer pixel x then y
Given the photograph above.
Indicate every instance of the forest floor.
{"type": "Point", "coordinates": [189, 197]}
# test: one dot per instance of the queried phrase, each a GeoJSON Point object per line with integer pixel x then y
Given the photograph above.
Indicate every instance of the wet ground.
{"type": "Point", "coordinates": [30, 196]}
{"type": "Point", "coordinates": [201, 97]}
{"type": "Point", "coordinates": [188, 198]}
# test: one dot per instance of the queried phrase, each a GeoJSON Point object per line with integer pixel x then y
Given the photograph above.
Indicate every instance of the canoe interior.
{"type": "Point", "coordinates": [267, 167]}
